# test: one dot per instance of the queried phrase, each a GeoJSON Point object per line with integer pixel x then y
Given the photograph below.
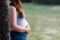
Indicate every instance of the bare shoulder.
{"type": "Point", "coordinates": [12, 10]}
{"type": "Point", "coordinates": [11, 7]}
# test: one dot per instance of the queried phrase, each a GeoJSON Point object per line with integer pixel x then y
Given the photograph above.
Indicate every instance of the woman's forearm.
{"type": "Point", "coordinates": [19, 28]}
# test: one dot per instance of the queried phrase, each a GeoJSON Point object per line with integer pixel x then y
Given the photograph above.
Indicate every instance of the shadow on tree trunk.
{"type": "Point", "coordinates": [4, 20]}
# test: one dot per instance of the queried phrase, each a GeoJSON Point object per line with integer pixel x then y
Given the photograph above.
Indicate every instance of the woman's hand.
{"type": "Point", "coordinates": [27, 29]}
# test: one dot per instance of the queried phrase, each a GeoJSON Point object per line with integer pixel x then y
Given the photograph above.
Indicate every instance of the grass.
{"type": "Point", "coordinates": [44, 21]}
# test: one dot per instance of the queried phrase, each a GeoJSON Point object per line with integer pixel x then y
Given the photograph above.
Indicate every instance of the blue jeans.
{"type": "Point", "coordinates": [18, 35]}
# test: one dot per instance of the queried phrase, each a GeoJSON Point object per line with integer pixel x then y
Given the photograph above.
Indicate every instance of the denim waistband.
{"type": "Point", "coordinates": [18, 33]}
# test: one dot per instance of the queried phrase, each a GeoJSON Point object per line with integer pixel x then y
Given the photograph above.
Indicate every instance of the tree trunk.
{"type": "Point", "coordinates": [4, 21]}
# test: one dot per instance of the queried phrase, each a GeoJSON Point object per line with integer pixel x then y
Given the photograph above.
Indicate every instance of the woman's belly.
{"type": "Point", "coordinates": [22, 23]}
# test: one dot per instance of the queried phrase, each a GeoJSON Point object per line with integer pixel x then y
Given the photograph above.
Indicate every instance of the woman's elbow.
{"type": "Point", "coordinates": [13, 26]}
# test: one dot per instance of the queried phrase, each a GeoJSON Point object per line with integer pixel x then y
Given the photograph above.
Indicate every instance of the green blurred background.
{"type": "Point", "coordinates": [43, 1]}
{"type": "Point", "coordinates": [44, 20]}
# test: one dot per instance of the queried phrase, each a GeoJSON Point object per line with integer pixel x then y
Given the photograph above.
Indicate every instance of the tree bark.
{"type": "Point", "coordinates": [4, 21]}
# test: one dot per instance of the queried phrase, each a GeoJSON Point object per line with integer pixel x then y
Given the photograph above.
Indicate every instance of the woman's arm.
{"type": "Point", "coordinates": [13, 17]}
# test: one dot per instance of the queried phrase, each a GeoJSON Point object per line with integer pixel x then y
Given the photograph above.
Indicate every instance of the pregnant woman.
{"type": "Point", "coordinates": [19, 26]}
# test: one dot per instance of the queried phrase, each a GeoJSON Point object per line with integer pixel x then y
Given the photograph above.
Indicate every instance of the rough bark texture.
{"type": "Point", "coordinates": [4, 22]}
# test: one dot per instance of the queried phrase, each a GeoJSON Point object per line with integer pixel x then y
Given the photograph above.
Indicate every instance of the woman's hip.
{"type": "Point", "coordinates": [14, 33]}
{"type": "Point", "coordinates": [18, 35]}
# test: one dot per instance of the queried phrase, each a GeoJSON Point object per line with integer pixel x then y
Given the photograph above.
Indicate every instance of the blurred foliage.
{"type": "Point", "coordinates": [26, 0]}
{"type": "Point", "coordinates": [46, 1]}
{"type": "Point", "coordinates": [44, 21]}
{"type": "Point", "coordinates": [43, 1]}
